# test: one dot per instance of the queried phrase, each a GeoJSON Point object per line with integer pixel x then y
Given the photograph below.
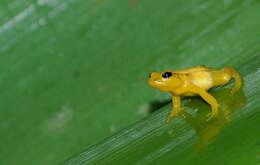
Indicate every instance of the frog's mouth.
{"type": "Point", "coordinates": [159, 85]}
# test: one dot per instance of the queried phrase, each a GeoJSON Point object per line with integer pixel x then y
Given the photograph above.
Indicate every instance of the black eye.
{"type": "Point", "coordinates": [167, 74]}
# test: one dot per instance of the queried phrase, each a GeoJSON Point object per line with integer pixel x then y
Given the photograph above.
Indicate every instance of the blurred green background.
{"type": "Point", "coordinates": [74, 72]}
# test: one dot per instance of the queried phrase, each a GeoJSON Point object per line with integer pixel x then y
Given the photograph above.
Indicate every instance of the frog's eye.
{"type": "Point", "coordinates": [167, 74]}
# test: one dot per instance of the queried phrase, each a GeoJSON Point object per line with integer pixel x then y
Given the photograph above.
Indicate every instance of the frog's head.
{"type": "Point", "coordinates": [164, 81]}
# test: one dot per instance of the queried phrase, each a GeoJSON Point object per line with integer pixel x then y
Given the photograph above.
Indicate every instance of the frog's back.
{"type": "Point", "coordinates": [195, 69]}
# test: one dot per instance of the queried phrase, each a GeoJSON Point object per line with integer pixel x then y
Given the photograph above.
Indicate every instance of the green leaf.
{"type": "Point", "coordinates": [188, 139]}
{"type": "Point", "coordinates": [74, 76]}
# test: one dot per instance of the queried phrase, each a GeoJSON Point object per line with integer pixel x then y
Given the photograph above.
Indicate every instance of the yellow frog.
{"type": "Point", "coordinates": [194, 81]}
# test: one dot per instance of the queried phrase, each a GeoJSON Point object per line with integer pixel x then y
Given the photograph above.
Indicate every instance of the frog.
{"type": "Point", "coordinates": [192, 81]}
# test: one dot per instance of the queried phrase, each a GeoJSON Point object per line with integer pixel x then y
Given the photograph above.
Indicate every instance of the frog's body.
{"type": "Point", "coordinates": [199, 76]}
{"type": "Point", "coordinates": [193, 81]}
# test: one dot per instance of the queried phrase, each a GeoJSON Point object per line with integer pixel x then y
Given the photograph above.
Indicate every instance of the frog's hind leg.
{"type": "Point", "coordinates": [208, 98]}
{"type": "Point", "coordinates": [238, 79]}
{"type": "Point", "coordinates": [224, 75]}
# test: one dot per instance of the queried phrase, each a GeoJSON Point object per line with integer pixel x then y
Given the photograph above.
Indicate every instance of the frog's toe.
{"type": "Point", "coordinates": [175, 112]}
{"type": "Point", "coordinates": [211, 116]}
{"type": "Point", "coordinates": [169, 118]}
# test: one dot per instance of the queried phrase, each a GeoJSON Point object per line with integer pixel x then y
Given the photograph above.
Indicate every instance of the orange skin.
{"type": "Point", "coordinates": [194, 81]}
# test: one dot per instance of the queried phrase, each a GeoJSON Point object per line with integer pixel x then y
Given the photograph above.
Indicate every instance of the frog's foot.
{"type": "Point", "coordinates": [211, 115]}
{"type": "Point", "coordinates": [214, 112]}
{"type": "Point", "coordinates": [175, 111]}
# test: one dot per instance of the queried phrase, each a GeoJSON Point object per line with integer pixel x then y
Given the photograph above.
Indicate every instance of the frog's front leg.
{"type": "Point", "coordinates": [207, 97]}
{"type": "Point", "coordinates": [176, 101]}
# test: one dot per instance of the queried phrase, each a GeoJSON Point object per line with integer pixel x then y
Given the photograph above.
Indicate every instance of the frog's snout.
{"type": "Point", "coordinates": [156, 81]}
{"type": "Point", "coordinates": [153, 78]}
{"type": "Point", "coordinates": [153, 74]}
